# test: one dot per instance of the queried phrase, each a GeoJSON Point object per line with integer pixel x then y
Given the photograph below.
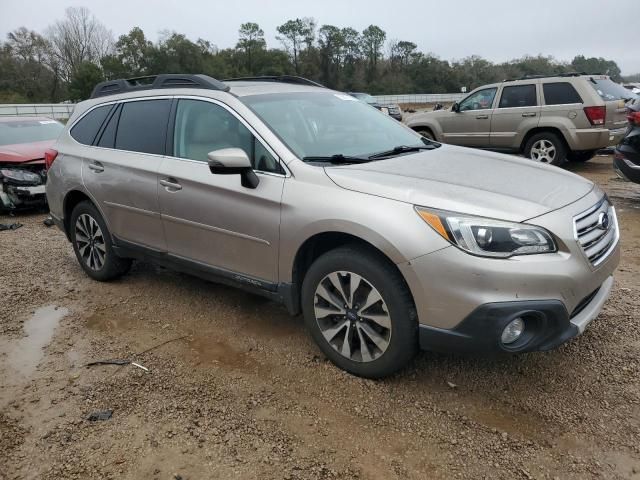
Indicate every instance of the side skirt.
{"type": "Point", "coordinates": [284, 293]}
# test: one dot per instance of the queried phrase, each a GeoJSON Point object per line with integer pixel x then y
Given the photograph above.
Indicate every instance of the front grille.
{"type": "Point", "coordinates": [596, 231]}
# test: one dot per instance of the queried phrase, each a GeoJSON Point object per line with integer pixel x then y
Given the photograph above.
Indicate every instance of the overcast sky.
{"type": "Point", "coordinates": [495, 29]}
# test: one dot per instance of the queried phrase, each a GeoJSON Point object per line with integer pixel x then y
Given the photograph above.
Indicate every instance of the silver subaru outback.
{"type": "Point", "coordinates": [385, 241]}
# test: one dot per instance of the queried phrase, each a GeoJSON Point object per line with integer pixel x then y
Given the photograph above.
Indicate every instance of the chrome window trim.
{"type": "Point", "coordinates": [287, 173]}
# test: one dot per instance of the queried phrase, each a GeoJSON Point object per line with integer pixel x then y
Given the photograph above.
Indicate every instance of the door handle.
{"type": "Point", "coordinates": [482, 117]}
{"type": "Point", "coordinates": [529, 114]}
{"type": "Point", "coordinates": [96, 167]}
{"type": "Point", "coordinates": [171, 183]}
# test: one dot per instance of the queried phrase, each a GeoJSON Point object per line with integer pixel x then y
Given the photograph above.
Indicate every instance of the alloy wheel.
{"type": "Point", "coordinates": [352, 316]}
{"type": "Point", "coordinates": [90, 242]}
{"type": "Point", "coordinates": [543, 151]}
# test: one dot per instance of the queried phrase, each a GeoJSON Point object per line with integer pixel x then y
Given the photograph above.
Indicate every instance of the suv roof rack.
{"type": "Point", "coordinates": [151, 82]}
{"type": "Point", "coordinates": [277, 78]}
{"type": "Point", "coordinates": [533, 77]}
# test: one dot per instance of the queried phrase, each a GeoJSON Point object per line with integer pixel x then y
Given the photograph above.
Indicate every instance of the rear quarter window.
{"type": "Point", "coordinates": [143, 126]}
{"type": "Point", "coordinates": [560, 93]}
{"type": "Point", "coordinates": [86, 129]}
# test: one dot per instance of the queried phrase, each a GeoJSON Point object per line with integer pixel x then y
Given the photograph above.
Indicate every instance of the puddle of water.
{"type": "Point", "coordinates": [210, 351]}
{"type": "Point", "coordinates": [25, 354]}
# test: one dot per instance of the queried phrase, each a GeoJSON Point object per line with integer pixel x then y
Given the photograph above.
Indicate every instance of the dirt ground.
{"type": "Point", "coordinates": [240, 391]}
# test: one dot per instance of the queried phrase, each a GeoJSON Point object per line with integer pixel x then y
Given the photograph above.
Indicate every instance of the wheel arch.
{"type": "Point", "coordinates": [543, 129]}
{"type": "Point", "coordinates": [73, 198]}
{"type": "Point", "coordinates": [319, 243]}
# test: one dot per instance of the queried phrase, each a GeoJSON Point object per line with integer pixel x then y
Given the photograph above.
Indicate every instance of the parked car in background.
{"type": "Point", "coordinates": [393, 110]}
{"type": "Point", "coordinates": [626, 159]}
{"type": "Point", "coordinates": [385, 241]}
{"type": "Point", "coordinates": [23, 145]}
{"type": "Point", "coordinates": [549, 119]}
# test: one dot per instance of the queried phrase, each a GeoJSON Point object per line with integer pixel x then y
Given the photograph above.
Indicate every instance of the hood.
{"type": "Point", "coordinates": [24, 152]}
{"type": "Point", "coordinates": [467, 181]}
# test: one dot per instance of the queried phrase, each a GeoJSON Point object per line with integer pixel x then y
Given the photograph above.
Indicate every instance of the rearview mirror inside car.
{"type": "Point", "coordinates": [455, 107]}
{"type": "Point", "coordinates": [233, 161]}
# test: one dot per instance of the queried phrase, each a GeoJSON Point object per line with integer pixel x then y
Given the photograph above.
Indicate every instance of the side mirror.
{"type": "Point", "coordinates": [455, 107]}
{"type": "Point", "coordinates": [233, 161]}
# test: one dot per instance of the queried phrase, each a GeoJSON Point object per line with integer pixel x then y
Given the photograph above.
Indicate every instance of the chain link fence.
{"type": "Point", "coordinates": [420, 98]}
{"type": "Point", "coordinates": [58, 111]}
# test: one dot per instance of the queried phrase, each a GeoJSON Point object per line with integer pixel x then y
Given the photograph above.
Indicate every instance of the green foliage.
{"type": "Point", "coordinates": [70, 60]}
{"type": "Point", "coordinates": [83, 80]}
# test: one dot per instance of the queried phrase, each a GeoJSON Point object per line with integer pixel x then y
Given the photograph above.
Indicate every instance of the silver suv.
{"type": "Point", "coordinates": [548, 119]}
{"type": "Point", "coordinates": [384, 240]}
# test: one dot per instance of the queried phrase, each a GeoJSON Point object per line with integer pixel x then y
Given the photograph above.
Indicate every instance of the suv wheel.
{"type": "Point", "coordinates": [581, 156]}
{"type": "Point", "coordinates": [359, 312]}
{"type": "Point", "coordinates": [92, 244]}
{"type": "Point", "coordinates": [546, 147]}
{"type": "Point", "coordinates": [426, 134]}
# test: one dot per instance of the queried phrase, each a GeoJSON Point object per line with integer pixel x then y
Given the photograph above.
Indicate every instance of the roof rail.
{"type": "Point", "coordinates": [533, 77]}
{"type": "Point", "coordinates": [151, 82]}
{"type": "Point", "coordinates": [277, 78]}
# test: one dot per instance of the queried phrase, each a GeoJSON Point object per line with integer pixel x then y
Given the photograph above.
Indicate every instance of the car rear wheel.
{"type": "Point", "coordinates": [546, 147]}
{"type": "Point", "coordinates": [92, 244]}
{"type": "Point", "coordinates": [581, 156]}
{"type": "Point", "coordinates": [359, 312]}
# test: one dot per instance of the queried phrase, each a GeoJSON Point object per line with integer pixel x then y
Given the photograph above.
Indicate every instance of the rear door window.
{"type": "Point", "coordinates": [560, 93]}
{"type": "Point", "coordinates": [108, 136]}
{"type": "Point", "coordinates": [87, 128]}
{"type": "Point", "coordinates": [143, 126]}
{"type": "Point", "coordinates": [518, 96]}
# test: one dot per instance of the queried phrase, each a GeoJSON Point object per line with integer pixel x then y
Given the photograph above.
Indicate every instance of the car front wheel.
{"type": "Point", "coordinates": [92, 244]}
{"type": "Point", "coordinates": [359, 312]}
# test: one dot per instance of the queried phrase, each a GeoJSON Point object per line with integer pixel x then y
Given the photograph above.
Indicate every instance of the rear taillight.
{"type": "Point", "coordinates": [634, 118]}
{"type": "Point", "coordinates": [49, 156]}
{"type": "Point", "coordinates": [596, 115]}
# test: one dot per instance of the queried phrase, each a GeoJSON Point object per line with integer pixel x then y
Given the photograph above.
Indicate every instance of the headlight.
{"type": "Point", "coordinates": [20, 175]}
{"type": "Point", "coordinates": [488, 237]}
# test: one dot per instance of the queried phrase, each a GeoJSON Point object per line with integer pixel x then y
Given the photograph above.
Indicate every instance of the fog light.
{"type": "Point", "coordinates": [512, 331]}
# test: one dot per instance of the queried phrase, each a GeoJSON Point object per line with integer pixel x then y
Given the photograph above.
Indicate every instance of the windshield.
{"type": "Point", "coordinates": [321, 124]}
{"type": "Point", "coordinates": [29, 131]}
{"type": "Point", "coordinates": [609, 90]}
{"type": "Point", "coordinates": [365, 97]}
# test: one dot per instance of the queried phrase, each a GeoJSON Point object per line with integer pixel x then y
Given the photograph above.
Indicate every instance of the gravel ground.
{"type": "Point", "coordinates": [240, 391]}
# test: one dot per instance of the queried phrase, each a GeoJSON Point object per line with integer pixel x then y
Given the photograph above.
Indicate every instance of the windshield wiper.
{"type": "Point", "coordinates": [338, 158]}
{"type": "Point", "coordinates": [404, 149]}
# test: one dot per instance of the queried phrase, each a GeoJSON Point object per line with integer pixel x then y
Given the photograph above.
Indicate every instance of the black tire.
{"type": "Point", "coordinates": [581, 156]}
{"type": "Point", "coordinates": [378, 272]}
{"type": "Point", "coordinates": [560, 154]}
{"type": "Point", "coordinates": [427, 134]}
{"type": "Point", "coordinates": [112, 266]}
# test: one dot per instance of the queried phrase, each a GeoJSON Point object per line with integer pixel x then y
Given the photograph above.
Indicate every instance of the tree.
{"type": "Point", "coordinates": [28, 66]}
{"type": "Point", "coordinates": [78, 38]}
{"type": "Point", "coordinates": [595, 65]}
{"type": "Point", "coordinates": [373, 38]}
{"type": "Point", "coordinates": [295, 33]}
{"type": "Point", "coordinates": [331, 42]}
{"type": "Point", "coordinates": [251, 41]}
{"type": "Point", "coordinates": [402, 52]}
{"type": "Point", "coordinates": [84, 79]}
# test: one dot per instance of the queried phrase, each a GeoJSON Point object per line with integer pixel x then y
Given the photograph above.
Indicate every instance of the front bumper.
{"type": "Point", "coordinates": [547, 325]}
{"type": "Point", "coordinates": [464, 301]}
{"type": "Point", "coordinates": [626, 168]}
{"type": "Point", "coordinates": [17, 196]}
